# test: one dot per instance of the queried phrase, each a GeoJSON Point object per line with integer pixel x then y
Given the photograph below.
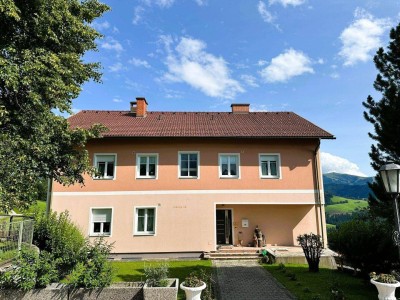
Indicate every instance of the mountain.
{"type": "Point", "coordinates": [345, 185]}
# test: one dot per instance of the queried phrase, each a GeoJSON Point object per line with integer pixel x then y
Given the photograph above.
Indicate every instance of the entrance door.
{"type": "Point", "coordinates": [224, 226]}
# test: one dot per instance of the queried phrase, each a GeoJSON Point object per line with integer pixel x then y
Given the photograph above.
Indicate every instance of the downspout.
{"type": "Point", "coordinates": [48, 198]}
{"type": "Point", "coordinates": [319, 191]}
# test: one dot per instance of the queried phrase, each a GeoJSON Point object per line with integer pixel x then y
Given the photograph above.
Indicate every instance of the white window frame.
{"type": "Point", "coordinates": [140, 155]}
{"type": "Point", "coordinates": [135, 225]}
{"type": "Point", "coordinates": [95, 161]}
{"type": "Point", "coordinates": [198, 164]}
{"type": "Point", "coordinates": [278, 167]}
{"type": "Point", "coordinates": [91, 225]}
{"type": "Point", "coordinates": [220, 155]}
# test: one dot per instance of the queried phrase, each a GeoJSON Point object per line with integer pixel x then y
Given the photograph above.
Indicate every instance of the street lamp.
{"type": "Point", "coordinates": [390, 175]}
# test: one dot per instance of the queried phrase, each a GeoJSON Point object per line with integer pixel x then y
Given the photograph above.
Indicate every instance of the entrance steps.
{"type": "Point", "coordinates": [280, 254]}
{"type": "Point", "coordinates": [234, 253]}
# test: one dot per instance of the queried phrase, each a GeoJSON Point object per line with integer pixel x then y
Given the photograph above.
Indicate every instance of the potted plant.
{"type": "Point", "coordinates": [158, 285]}
{"type": "Point", "coordinates": [386, 285]}
{"type": "Point", "coordinates": [193, 286]}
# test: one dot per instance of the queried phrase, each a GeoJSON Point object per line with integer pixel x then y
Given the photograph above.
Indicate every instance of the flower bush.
{"type": "Point", "coordinates": [156, 274]}
{"type": "Point", "coordinates": [383, 278]}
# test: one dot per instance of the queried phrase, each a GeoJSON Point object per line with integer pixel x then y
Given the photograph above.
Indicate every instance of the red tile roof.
{"type": "Point", "coordinates": [201, 124]}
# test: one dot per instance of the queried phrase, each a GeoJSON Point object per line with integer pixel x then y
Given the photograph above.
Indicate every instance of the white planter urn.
{"type": "Point", "coordinates": [386, 291]}
{"type": "Point", "coordinates": [193, 293]}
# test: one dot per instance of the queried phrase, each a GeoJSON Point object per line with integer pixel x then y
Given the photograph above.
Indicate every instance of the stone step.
{"type": "Point", "coordinates": [231, 256]}
{"type": "Point", "coordinates": [237, 251]}
{"type": "Point", "coordinates": [235, 254]}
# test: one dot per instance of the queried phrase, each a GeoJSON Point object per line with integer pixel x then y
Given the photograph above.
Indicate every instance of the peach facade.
{"type": "Point", "coordinates": [185, 209]}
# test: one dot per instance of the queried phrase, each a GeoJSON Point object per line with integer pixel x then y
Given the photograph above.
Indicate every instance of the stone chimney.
{"type": "Point", "coordinates": [139, 107]}
{"type": "Point", "coordinates": [240, 108]}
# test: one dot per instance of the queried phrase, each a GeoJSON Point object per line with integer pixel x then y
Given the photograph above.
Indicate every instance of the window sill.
{"type": "Point", "coordinates": [104, 178]}
{"type": "Point", "coordinates": [229, 177]}
{"type": "Point", "coordinates": [270, 177]}
{"type": "Point", "coordinates": [144, 234]}
{"type": "Point", "coordinates": [188, 177]}
{"type": "Point", "coordinates": [99, 234]}
{"type": "Point", "coordinates": [146, 177]}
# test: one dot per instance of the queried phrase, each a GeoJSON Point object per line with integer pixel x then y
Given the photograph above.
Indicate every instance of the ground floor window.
{"type": "Point", "coordinates": [145, 218]}
{"type": "Point", "coordinates": [101, 221]}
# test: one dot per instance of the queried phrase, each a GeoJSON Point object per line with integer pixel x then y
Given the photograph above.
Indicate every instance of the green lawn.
{"type": "Point", "coordinates": [310, 285]}
{"type": "Point", "coordinates": [134, 270]}
{"type": "Point", "coordinates": [330, 226]}
{"type": "Point", "coordinates": [39, 205]}
{"type": "Point", "coordinates": [349, 207]}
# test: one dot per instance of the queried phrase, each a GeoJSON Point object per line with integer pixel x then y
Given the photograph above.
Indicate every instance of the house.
{"type": "Point", "coordinates": [185, 182]}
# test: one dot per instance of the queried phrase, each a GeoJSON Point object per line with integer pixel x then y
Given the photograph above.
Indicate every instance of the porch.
{"type": "Point", "coordinates": [282, 254]}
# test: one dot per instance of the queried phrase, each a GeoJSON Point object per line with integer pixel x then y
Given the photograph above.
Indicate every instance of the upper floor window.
{"type": "Point", "coordinates": [105, 166]}
{"type": "Point", "coordinates": [101, 221]}
{"type": "Point", "coordinates": [270, 165]}
{"type": "Point", "coordinates": [145, 218]}
{"type": "Point", "coordinates": [146, 165]}
{"type": "Point", "coordinates": [188, 164]}
{"type": "Point", "coordinates": [229, 165]}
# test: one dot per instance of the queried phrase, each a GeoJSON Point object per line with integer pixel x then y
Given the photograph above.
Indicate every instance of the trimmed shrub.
{"type": "Point", "coordinates": [93, 270]}
{"type": "Point", "coordinates": [312, 248]}
{"type": "Point", "coordinates": [58, 235]}
{"type": "Point", "coordinates": [365, 245]}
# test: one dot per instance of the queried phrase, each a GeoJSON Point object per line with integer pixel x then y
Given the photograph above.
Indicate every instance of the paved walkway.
{"type": "Point", "coordinates": [247, 280]}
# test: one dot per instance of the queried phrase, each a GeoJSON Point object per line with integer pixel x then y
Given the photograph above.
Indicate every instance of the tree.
{"type": "Point", "coordinates": [42, 43]}
{"type": "Point", "coordinates": [384, 116]}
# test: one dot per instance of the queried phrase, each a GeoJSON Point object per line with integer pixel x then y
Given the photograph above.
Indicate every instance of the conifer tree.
{"type": "Point", "coordinates": [384, 115]}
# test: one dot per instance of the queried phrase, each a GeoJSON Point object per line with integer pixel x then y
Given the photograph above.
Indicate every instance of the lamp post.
{"type": "Point", "coordinates": [390, 175]}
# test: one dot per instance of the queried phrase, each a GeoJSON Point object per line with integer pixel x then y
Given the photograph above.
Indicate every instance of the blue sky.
{"type": "Point", "coordinates": [307, 56]}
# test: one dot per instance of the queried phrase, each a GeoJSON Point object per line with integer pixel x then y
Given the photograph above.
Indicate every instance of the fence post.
{"type": "Point", "coordinates": [21, 228]}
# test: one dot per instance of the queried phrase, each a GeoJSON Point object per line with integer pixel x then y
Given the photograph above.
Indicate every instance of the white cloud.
{"type": "Point", "coordinates": [100, 25]}
{"type": "Point", "coordinates": [164, 3]}
{"type": "Point", "coordinates": [331, 163]}
{"type": "Point", "coordinates": [262, 62]}
{"type": "Point", "coordinates": [335, 75]}
{"type": "Point", "coordinates": [116, 100]}
{"type": "Point", "coordinates": [137, 14]}
{"type": "Point", "coordinates": [267, 16]}
{"type": "Point", "coordinates": [75, 110]}
{"type": "Point", "coordinates": [249, 80]}
{"type": "Point", "coordinates": [201, 2]}
{"type": "Point", "coordinates": [287, 2]}
{"type": "Point", "coordinates": [139, 63]}
{"type": "Point", "coordinates": [160, 3]}
{"type": "Point", "coordinates": [362, 37]}
{"type": "Point", "coordinates": [112, 44]}
{"type": "Point", "coordinates": [289, 64]}
{"type": "Point", "coordinates": [190, 63]}
{"type": "Point", "coordinates": [116, 67]}
{"type": "Point", "coordinates": [258, 108]}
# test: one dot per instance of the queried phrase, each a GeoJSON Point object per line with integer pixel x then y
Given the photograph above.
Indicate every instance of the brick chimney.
{"type": "Point", "coordinates": [139, 107]}
{"type": "Point", "coordinates": [240, 108]}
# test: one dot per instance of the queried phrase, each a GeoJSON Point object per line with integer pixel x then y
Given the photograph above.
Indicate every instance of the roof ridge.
{"type": "Point", "coordinates": [186, 112]}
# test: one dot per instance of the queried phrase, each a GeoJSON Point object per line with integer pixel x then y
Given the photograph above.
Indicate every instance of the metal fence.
{"type": "Point", "coordinates": [15, 231]}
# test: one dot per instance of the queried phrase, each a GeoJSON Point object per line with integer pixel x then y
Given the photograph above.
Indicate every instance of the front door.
{"type": "Point", "coordinates": [224, 226]}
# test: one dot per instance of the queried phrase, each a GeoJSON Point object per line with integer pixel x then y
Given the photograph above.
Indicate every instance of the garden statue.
{"type": "Point", "coordinates": [258, 237]}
